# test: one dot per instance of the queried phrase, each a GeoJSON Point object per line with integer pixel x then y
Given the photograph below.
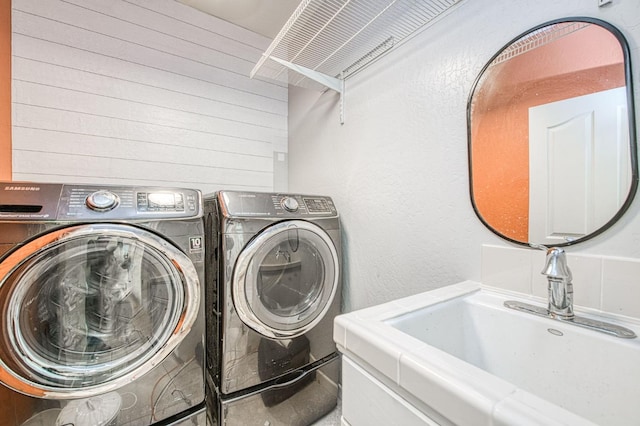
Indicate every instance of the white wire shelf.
{"type": "Point", "coordinates": [539, 38]}
{"type": "Point", "coordinates": [326, 41]}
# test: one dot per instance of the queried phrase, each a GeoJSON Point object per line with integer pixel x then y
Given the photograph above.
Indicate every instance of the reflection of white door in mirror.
{"type": "Point", "coordinates": [579, 171]}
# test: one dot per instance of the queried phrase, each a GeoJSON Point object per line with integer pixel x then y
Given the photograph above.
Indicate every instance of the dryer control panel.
{"type": "Point", "coordinates": [45, 201]}
{"type": "Point", "coordinates": [258, 204]}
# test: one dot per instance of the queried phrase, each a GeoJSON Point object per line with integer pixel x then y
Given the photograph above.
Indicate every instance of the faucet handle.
{"type": "Point", "coordinates": [556, 264]}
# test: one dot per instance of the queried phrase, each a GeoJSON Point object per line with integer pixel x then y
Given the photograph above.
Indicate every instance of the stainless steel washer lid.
{"type": "Point", "coordinates": [285, 279]}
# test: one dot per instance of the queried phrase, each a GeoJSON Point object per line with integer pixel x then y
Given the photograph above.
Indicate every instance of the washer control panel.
{"type": "Point", "coordinates": [104, 203]}
{"type": "Point", "coordinates": [258, 204]}
{"type": "Point", "coordinates": [49, 201]}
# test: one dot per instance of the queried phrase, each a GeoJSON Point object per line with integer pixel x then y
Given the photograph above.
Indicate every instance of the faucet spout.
{"type": "Point", "coordinates": [560, 286]}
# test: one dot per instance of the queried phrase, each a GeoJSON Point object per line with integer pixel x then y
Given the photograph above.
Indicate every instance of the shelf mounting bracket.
{"type": "Point", "coordinates": [333, 83]}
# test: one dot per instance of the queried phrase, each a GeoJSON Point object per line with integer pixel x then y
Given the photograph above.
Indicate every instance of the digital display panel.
{"type": "Point", "coordinates": [162, 199]}
{"type": "Point", "coordinates": [160, 202]}
{"type": "Point", "coordinates": [317, 205]}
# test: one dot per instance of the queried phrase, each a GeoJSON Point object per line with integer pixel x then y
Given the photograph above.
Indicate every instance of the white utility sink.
{"type": "Point", "coordinates": [461, 355]}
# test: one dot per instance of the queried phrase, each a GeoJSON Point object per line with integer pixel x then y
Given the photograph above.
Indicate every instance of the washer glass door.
{"type": "Point", "coordinates": [285, 279]}
{"type": "Point", "coordinates": [86, 309]}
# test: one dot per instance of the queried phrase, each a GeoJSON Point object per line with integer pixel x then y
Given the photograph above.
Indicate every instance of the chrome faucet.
{"type": "Point", "coordinates": [560, 305]}
{"type": "Point", "coordinates": [560, 287]}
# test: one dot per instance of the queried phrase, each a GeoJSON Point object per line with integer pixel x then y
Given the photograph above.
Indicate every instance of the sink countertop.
{"type": "Point", "coordinates": [453, 387]}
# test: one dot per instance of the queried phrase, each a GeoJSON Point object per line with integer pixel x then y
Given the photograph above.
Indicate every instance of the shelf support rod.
{"type": "Point", "coordinates": [332, 83]}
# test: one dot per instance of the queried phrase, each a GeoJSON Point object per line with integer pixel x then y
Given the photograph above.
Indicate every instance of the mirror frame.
{"type": "Point", "coordinates": [631, 118]}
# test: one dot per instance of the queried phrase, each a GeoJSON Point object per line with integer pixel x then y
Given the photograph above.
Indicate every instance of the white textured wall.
{"type": "Point", "coordinates": [397, 168]}
{"type": "Point", "coordinates": [148, 92]}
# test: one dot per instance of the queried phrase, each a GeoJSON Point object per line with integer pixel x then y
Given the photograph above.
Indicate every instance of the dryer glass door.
{"type": "Point", "coordinates": [86, 309]}
{"type": "Point", "coordinates": [285, 279]}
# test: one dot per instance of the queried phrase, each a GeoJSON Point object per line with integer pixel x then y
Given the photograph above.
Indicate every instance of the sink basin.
{"type": "Point", "coordinates": [470, 360]}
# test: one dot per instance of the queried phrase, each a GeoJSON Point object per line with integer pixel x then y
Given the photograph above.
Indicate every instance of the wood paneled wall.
{"type": "Point", "coordinates": [148, 92]}
{"type": "Point", "coordinates": [5, 90]}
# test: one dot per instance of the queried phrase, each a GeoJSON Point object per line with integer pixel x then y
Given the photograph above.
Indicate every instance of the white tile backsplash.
{"type": "Point", "coordinates": [587, 280]}
{"type": "Point", "coordinates": [539, 286]}
{"type": "Point", "coordinates": [609, 284]}
{"type": "Point", "coordinates": [506, 268]}
{"type": "Point", "coordinates": [621, 292]}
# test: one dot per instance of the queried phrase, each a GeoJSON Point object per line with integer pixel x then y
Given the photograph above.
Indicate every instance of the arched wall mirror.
{"type": "Point", "coordinates": [552, 141]}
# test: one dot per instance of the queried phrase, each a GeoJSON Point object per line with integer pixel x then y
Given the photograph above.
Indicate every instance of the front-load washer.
{"type": "Point", "coordinates": [273, 288]}
{"type": "Point", "coordinates": [101, 305]}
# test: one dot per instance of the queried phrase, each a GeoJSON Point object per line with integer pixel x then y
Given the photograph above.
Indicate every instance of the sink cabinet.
{"type": "Point", "coordinates": [367, 400]}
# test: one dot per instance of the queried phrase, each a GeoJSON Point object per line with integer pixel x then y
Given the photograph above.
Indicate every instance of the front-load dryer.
{"type": "Point", "coordinates": [273, 290]}
{"type": "Point", "coordinates": [101, 305]}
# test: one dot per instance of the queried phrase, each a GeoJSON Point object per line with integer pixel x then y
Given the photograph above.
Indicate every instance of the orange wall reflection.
{"type": "Point", "coordinates": [560, 70]}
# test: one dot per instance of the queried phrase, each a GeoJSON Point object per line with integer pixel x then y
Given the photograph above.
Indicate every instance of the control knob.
{"type": "Point", "coordinates": [290, 204]}
{"type": "Point", "coordinates": [102, 201]}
